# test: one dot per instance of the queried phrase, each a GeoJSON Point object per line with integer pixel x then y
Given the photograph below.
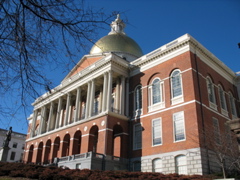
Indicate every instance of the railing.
{"type": "Point", "coordinates": [55, 161]}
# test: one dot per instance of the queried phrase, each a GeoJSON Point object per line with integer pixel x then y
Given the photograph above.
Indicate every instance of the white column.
{"type": "Point", "coordinates": [92, 97]}
{"type": "Point", "coordinates": [127, 97]}
{"type": "Point", "coordinates": [59, 108]}
{"type": "Point", "coordinates": [77, 104]}
{"type": "Point", "coordinates": [117, 100]}
{"type": "Point", "coordinates": [42, 120]}
{"type": "Point", "coordinates": [33, 126]}
{"type": "Point", "coordinates": [50, 117]}
{"type": "Point", "coordinates": [88, 100]}
{"type": "Point", "coordinates": [104, 94]}
{"type": "Point", "coordinates": [66, 119]}
{"type": "Point", "coordinates": [109, 92]}
{"type": "Point", "coordinates": [122, 101]}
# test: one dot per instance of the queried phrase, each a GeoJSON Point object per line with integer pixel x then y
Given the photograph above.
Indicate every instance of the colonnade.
{"type": "Point", "coordinates": [99, 95]}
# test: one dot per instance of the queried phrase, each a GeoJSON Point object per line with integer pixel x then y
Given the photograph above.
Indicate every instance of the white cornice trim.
{"type": "Point", "coordinates": [178, 46]}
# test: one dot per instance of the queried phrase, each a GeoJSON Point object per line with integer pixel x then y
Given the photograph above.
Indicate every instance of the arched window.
{"type": "Point", "coordinates": [157, 165]}
{"type": "Point", "coordinates": [181, 164]}
{"type": "Point", "coordinates": [156, 91]}
{"type": "Point", "coordinates": [156, 95]}
{"type": "Point", "coordinates": [211, 93]}
{"type": "Point", "coordinates": [222, 100]}
{"type": "Point", "coordinates": [233, 106]}
{"type": "Point", "coordinates": [176, 87]}
{"type": "Point", "coordinates": [138, 101]}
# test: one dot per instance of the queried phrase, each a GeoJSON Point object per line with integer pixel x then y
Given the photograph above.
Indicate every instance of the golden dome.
{"type": "Point", "coordinates": [117, 41]}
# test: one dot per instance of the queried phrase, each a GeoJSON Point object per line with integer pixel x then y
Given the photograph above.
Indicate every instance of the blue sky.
{"type": "Point", "coordinates": [153, 23]}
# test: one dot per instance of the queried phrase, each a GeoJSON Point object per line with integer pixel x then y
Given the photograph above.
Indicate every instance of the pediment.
{"type": "Point", "coordinates": [85, 62]}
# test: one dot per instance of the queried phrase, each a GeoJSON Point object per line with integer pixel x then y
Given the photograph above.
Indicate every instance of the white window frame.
{"type": "Point", "coordinates": [179, 98]}
{"type": "Point", "coordinates": [181, 164]}
{"type": "Point", "coordinates": [232, 106]}
{"type": "Point", "coordinates": [157, 165]}
{"type": "Point", "coordinates": [137, 111]}
{"type": "Point", "coordinates": [222, 99]}
{"type": "Point", "coordinates": [137, 143]}
{"type": "Point", "coordinates": [158, 105]}
{"type": "Point", "coordinates": [211, 92]}
{"type": "Point", "coordinates": [181, 113]}
{"type": "Point", "coordinates": [153, 130]}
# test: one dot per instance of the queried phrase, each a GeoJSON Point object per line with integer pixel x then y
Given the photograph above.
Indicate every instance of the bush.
{"type": "Point", "coordinates": [48, 173]}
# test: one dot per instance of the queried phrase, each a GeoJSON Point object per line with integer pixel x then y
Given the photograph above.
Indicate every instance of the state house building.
{"type": "Point", "coordinates": [120, 109]}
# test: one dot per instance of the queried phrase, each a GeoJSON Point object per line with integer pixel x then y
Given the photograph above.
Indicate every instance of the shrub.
{"type": "Point", "coordinates": [17, 173]}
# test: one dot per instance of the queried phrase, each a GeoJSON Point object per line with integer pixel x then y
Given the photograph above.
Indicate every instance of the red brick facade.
{"type": "Point", "coordinates": [112, 133]}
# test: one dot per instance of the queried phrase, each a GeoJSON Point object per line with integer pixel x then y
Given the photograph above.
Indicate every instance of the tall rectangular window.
{"type": "Point", "coordinates": [12, 157]}
{"type": "Point", "coordinates": [179, 127]}
{"type": "Point", "coordinates": [157, 132]}
{"type": "Point", "coordinates": [216, 131]}
{"type": "Point", "coordinates": [137, 138]}
{"type": "Point", "coordinates": [232, 104]}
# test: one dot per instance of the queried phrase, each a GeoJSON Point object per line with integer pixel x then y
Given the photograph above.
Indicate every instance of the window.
{"type": "Point", "coordinates": [12, 157]}
{"type": "Point", "coordinates": [156, 91]}
{"type": "Point", "coordinates": [15, 145]}
{"type": "Point", "coordinates": [96, 105]}
{"type": "Point", "coordinates": [157, 165]}
{"type": "Point", "coordinates": [138, 100]}
{"type": "Point", "coordinates": [83, 110]}
{"type": "Point", "coordinates": [222, 100]}
{"type": "Point", "coordinates": [137, 141]}
{"type": "Point", "coordinates": [216, 131]}
{"type": "Point", "coordinates": [232, 104]}
{"type": "Point", "coordinates": [176, 87]}
{"type": "Point", "coordinates": [36, 130]}
{"type": "Point", "coordinates": [228, 135]}
{"type": "Point", "coordinates": [157, 132]}
{"type": "Point", "coordinates": [156, 95]}
{"type": "Point", "coordinates": [179, 129]}
{"type": "Point", "coordinates": [78, 166]}
{"type": "Point", "coordinates": [136, 166]}
{"type": "Point", "coordinates": [181, 164]}
{"type": "Point", "coordinates": [113, 109]}
{"type": "Point", "coordinates": [23, 145]}
{"type": "Point", "coordinates": [211, 94]}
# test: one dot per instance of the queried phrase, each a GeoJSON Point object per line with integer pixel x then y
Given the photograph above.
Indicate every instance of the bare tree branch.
{"type": "Point", "coordinates": [39, 34]}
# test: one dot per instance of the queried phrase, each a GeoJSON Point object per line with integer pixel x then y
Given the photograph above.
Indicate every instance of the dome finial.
{"type": "Point", "coordinates": [117, 26]}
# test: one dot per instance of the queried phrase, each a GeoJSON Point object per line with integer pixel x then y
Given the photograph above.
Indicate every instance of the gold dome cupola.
{"type": "Point", "coordinates": [117, 42]}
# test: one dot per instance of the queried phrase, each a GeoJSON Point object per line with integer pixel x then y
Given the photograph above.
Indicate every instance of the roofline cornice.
{"type": "Point", "coordinates": [176, 47]}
